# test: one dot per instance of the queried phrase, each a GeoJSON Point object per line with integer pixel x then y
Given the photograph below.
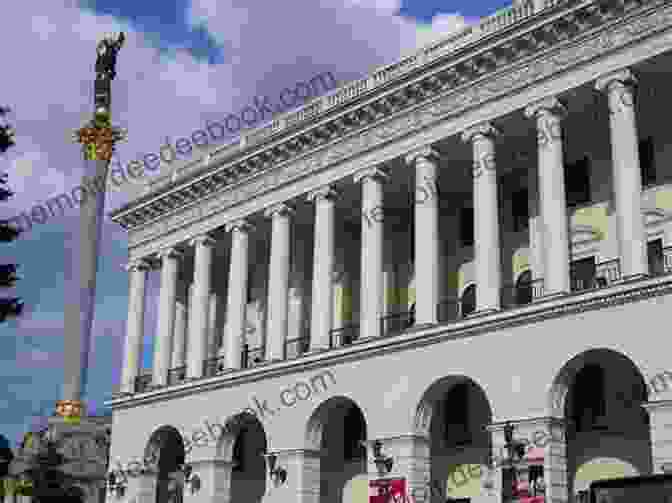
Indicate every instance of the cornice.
{"type": "Point", "coordinates": [616, 295]}
{"type": "Point", "coordinates": [164, 218]}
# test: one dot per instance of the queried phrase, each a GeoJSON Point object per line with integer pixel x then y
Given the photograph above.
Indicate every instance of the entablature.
{"type": "Point", "coordinates": [451, 88]}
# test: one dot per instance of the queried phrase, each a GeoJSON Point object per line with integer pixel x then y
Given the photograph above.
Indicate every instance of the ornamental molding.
{"type": "Point", "coordinates": [622, 32]}
{"type": "Point", "coordinates": [616, 295]}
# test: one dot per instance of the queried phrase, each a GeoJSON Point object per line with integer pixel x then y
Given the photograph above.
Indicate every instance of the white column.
{"type": "Point", "coordinates": [660, 416]}
{"type": "Point", "coordinates": [237, 291]}
{"type": "Point", "coordinates": [302, 484]}
{"type": "Point", "coordinates": [323, 266]}
{"type": "Point", "coordinates": [278, 280]}
{"type": "Point", "coordinates": [486, 217]}
{"type": "Point", "coordinates": [135, 324]}
{"type": "Point", "coordinates": [198, 323]}
{"type": "Point", "coordinates": [425, 161]}
{"type": "Point", "coordinates": [548, 114]}
{"type": "Point", "coordinates": [179, 338]}
{"type": "Point", "coordinates": [213, 325]}
{"type": "Point", "coordinates": [619, 87]}
{"type": "Point", "coordinates": [371, 282]}
{"type": "Point", "coordinates": [166, 325]}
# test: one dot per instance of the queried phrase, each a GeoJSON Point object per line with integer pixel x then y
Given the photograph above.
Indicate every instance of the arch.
{"type": "Point", "coordinates": [319, 418]}
{"type": "Point", "coordinates": [468, 300]}
{"type": "Point", "coordinates": [523, 289]}
{"type": "Point", "coordinates": [426, 409]}
{"type": "Point", "coordinates": [233, 427]}
{"type": "Point", "coordinates": [557, 395]}
{"type": "Point", "coordinates": [165, 448]}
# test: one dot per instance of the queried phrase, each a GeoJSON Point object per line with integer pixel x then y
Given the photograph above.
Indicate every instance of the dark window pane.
{"type": "Point", "coordinates": [577, 182]}
{"type": "Point", "coordinates": [646, 161]}
{"type": "Point", "coordinates": [467, 226]}
{"type": "Point", "coordinates": [469, 300]}
{"type": "Point", "coordinates": [582, 273]}
{"type": "Point", "coordinates": [589, 405]}
{"type": "Point", "coordinates": [520, 207]}
{"type": "Point", "coordinates": [524, 288]}
{"type": "Point", "coordinates": [654, 252]}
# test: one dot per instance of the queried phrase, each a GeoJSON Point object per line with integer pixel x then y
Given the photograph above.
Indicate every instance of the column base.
{"type": "Point", "coordinates": [633, 277]}
{"type": "Point", "coordinates": [552, 296]}
{"type": "Point", "coordinates": [483, 312]}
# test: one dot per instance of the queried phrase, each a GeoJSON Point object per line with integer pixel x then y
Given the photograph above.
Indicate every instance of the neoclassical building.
{"type": "Point", "coordinates": [477, 235]}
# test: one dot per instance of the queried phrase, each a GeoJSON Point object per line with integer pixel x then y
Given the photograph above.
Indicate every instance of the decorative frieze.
{"type": "Point", "coordinates": [448, 106]}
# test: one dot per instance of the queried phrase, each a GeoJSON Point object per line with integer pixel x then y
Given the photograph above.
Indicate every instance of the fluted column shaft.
{"type": "Point", "coordinates": [237, 291]}
{"type": "Point", "coordinates": [134, 326]}
{"type": "Point", "coordinates": [199, 312]}
{"type": "Point", "coordinates": [323, 267]}
{"type": "Point", "coordinates": [278, 280]}
{"type": "Point", "coordinates": [426, 237]}
{"type": "Point", "coordinates": [371, 284]}
{"type": "Point", "coordinates": [548, 114]}
{"type": "Point", "coordinates": [487, 250]}
{"type": "Point", "coordinates": [163, 346]}
{"type": "Point", "coordinates": [619, 87]}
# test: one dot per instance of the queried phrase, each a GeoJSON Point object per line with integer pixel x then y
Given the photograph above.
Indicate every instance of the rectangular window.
{"type": "Point", "coordinates": [582, 273]}
{"type": "Point", "coordinates": [467, 226]}
{"type": "Point", "coordinates": [647, 161]}
{"type": "Point", "coordinates": [654, 251]}
{"type": "Point", "coordinates": [577, 182]}
{"type": "Point", "coordinates": [521, 210]}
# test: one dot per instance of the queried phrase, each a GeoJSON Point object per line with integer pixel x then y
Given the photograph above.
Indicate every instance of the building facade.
{"type": "Point", "coordinates": [479, 235]}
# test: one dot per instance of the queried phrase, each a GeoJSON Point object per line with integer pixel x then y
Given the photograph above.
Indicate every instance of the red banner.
{"type": "Point", "coordinates": [387, 491]}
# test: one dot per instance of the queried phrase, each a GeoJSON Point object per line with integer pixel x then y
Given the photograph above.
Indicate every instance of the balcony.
{"type": "Point", "coordinates": [523, 293]}
{"type": "Point", "coordinates": [396, 323]}
{"type": "Point", "coordinates": [294, 348]}
{"type": "Point", "coordinates": [177, 375]}
{"type": "Point", "coordinates": [252, 357]}
{"type": "Point", "coordinates": [343, 336]}
{"type": "Point", "coordinates": [143, 383]}
{"type": "Point", "coordinates": [214, 366]}
{"type": "Point", "coordinates": [600, 275]}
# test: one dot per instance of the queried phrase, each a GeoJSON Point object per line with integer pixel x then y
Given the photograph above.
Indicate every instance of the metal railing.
{"type": "Point", "coordinates": [214, 366]}
{"type": "Point", "coordinates": [343, 336]}
{"type": "Point", "coordinates": [395, 323]}
{"type": "Point", "coordinates": [606, 273]}
{"type": "Point", "coordinates": [448, 310]}
{"type": "Point", "coordinates": [143, 383]}
{"type": "Point", "coordinates": [252, 357]}
{"type": "Point", "coordinates": [177, 375]}
{"type": "Point", "coordinates": [522, 293]}
{"type": "Point", "coordinates": [299, 345]}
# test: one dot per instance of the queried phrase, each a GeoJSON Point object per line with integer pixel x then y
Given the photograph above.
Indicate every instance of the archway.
{"type": "Point", "coordinates": [524, 288]}
{"type": "Point", "coordinates": [244, 445]}
{"type": "Point", "coordinates": [166, 449]}
{"type": "Point", "coordinates": [337, 429]}
{"type": "Point", "coordinates": [453, 414]}
{"type": "Point", "coordinates": [599, 393]}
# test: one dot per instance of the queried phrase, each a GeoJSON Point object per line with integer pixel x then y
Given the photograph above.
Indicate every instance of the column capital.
{"type": "Point", "coordinates": [482, 129]}
{"type": "Point", "coordinates": [241, 225]}
{"type": "Point", "coordinates": [624, 76]}
{"type": "Point", "coordinates": [202, 239]}
{"type": "Point", "coordinates": [283, 209]}
{"type": "Point", "coordinates": [325, 192]}
{"type": "Point", "coordinates": [170, 252]}
{"type": "Point", "coordinates": [137, 265]}
{"type": "Point", "coordinates": [426, 152]}
{"type": "Point", "coordinates": [375, 173]}
{"type": "Point", "coordinates": [549, 105]}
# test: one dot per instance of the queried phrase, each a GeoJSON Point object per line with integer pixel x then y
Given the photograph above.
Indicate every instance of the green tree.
{"type": "Point", "coordinates": [9, 306]}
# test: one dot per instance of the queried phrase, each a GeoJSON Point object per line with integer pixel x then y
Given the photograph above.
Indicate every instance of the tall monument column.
{"type": "Point", "coordinates": [98, 138]}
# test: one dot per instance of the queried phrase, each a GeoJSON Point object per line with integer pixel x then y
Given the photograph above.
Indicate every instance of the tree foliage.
{"type": "Point", "coordinates": [9, 306]}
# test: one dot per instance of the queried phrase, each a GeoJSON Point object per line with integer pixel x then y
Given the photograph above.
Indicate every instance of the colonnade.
{"type": "Point", "coordinates": [425, 162]}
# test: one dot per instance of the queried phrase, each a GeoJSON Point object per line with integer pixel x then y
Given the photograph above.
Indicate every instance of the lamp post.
{"type": "Point", "coordinates": [515, 453]}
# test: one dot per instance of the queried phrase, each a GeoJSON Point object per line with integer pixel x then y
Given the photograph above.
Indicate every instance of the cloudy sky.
{"type": "Point", "coordinates": [184, 62]}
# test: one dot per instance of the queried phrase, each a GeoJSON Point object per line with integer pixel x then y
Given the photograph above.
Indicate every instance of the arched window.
{"type": "Point", "coordinates": [524, 288]}
{"type": "Point", "coordinates": [469, 300]}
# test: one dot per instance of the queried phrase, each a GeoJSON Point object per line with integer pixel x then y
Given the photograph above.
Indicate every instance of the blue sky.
{"type": "Point", "coordinates": [184, 62]}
